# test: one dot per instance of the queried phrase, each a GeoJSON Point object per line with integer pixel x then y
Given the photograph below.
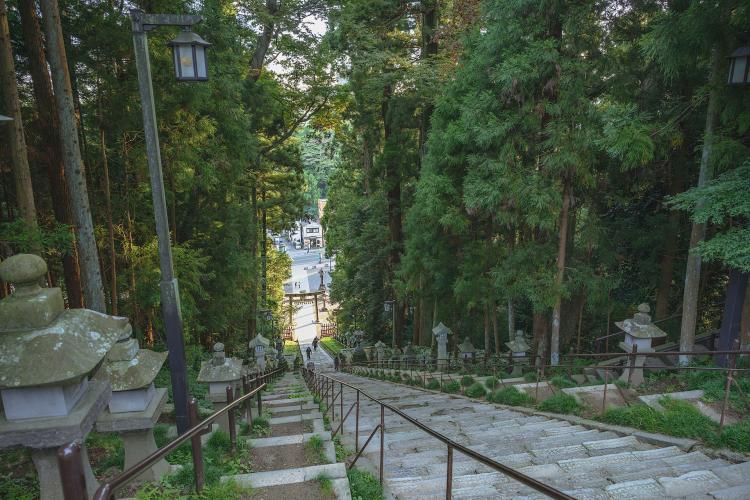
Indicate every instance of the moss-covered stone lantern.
{"type": "Point", "coordinates": [518, 347]}
{"type": "Point", "coordinates": [218, 373]}
{"type": "Point", "coordinates": [466, 350]}
{"type": "Point", "coordinates": [136, 404]}
{"type": "Point", "coordinates": [47, 355]}
{"type": "Point", "coordinates": [441, 333]}
{"type": "Point", "coordinates": [380, 351]}
{"type": "Point", "coordinates": [259, 345]}
{"type": "Point", "coordinates": [639, 334]}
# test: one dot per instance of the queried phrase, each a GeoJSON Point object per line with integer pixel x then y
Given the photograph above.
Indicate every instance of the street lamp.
{"type": "Point", "coordinates": [170, 295]}
{"type": "Point", "coordinates": [739, 66]}
{"type": "Point", "coordinates": [189, 52]}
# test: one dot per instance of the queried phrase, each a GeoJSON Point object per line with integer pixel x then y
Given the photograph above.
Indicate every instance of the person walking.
{"type": "Point", "coordinates": [315, 343]}
{"type": "Point", "coordinates": [309, 353]}
{"type": "Point", "coordinates": [336, 362]}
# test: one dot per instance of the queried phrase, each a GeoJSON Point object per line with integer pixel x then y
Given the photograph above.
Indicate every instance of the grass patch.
{"type": "Point", "coordinates": [18, 478]}
{"type": "Point", "coordinates": [467, 380]}
{"type": "Point", "coordinates": [315, 451]}
{"type": "Point", "coordinates": [433, 384]}
{"type": "Point", "coordinates": [529, 376]}
{"type": "Point", "coordinates": [364, 486]}
{"type": "Point", "coordinates": [108, 451]}
{"type": "Point", "coordinates": [561, 382]}
{"type": "Point", "coordinates": [451, 387]}
{"type": "Point", "coordinates": [331, 345]}
{"type": "Point", "coordinates": [261, 428]}
{"type": "Point", "coordinates": [511, 396]}
{"type": "Point", "coordinates": [491, 383]}
{"type": "Point", "coordinates": [326, 485]}
{"type": "Point", "coordinates": [561, 403]}
{"type": "Point", "coordinates": [341, 452]}
{"type": "Point", "coordinates": [475, 390]}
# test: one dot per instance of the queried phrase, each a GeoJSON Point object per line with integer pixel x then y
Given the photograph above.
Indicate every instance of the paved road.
{"type": "Point", "coordinates": [308, 279]}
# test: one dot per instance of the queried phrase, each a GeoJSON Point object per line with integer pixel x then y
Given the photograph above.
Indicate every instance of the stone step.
{"type": "Point", "coordinates": [267, 479]}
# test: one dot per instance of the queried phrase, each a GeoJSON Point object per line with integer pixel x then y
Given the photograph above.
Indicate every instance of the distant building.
{"type": "Point", "coordinates": [312, 235]}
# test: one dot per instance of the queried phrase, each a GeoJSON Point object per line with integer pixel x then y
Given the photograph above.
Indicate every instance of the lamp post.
{"type": "Point", "coordinates": [190, 65]}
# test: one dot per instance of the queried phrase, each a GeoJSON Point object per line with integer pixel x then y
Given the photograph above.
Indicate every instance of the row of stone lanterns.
{"type": "Point", "coordinates": [62, 371]}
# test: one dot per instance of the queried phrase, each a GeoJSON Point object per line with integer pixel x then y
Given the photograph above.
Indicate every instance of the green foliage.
{"type": "Point", "coordinates": [363, 485]}
{"type": "Point", "coordinates": [561, 403]}
{"type": "Point", "coordinates": [433, 384]}
{"type": "Point", "coordinates": [18, 479]}
{"type": "Point", "coordinates": [326, 485]}
{"type": "Point", "coordinates": [561, 382]}
{"type": "Point", "coordinates": [491, 383]}
{"type": "Point", "coordinates": [315, 451]}
{"type": "Point", "coordinates": [467, 380]}
{"type": "Point", "coordinates": [511, 396]}
{"type": "Point", "coordinates": [475, 390]}
{"type": "Point", "coordinates": [451, 387]}
{"type": "Point", "coordinates": [109, 447]}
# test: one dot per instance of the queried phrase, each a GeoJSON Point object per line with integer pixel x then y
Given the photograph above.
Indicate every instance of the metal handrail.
{"type": "Point", "coordinates": [69, 456]}
{"type": "Point", "coordinates": [518, 476]}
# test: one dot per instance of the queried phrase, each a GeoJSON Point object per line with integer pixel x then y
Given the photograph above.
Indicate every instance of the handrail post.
{"type": "Point", "coordinates": [260, 405]}
{"type": "Point", "coordinates": [230, 418]}
{"type": "Point", "coordinates": [71, 471]}
{"type": "Point", "coordinates": [727, 389]}
{"type": "Point", "coordinates": [341, 402]}
{"type": "Point", "coordinates": [356, 427]}
{"type": "Point", "coordinates": [632, 362]}
{"type": "Point", "coordinates": [382, 439]}
{"type": "Point", "coordinates": [604, 396]}
{"type": "Point", "coordinates": [195, 443]}
{"type": "Point", "coordinates": [449, 474]}
{"type": "Point", "coordinates": [248, 407]}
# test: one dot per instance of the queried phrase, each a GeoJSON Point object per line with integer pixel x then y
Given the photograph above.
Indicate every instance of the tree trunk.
{"type": "Point", "coordinates": [671, 240]}
{"type": "Point", "coordinates": [50, 143]}
{"type": "Point", "coordinates": [366, 163]}
{"type": "Point", "coordinates": [110, 225]}
{"type": "Point", "coordinates": [495, 330]}
{"type": "Point", "coordinates": [16, 138]}
{"type": "Point", "coordinates": [486, 331]}
{"type": "Point", "coordinates": [541, 328]}
{"type": "Point", "coordinates": [698, 231]}
{"type": "Point", "coordinates": [511, 320]}
{"type": "Point", "coordinates": [264, 40]}
{"type": "Point", "coordinates": [253, 295]}
{"type": "Point", "coordinates": [745, 322]}
{"type": "Point", "coordinates": [74, 171]}
{"type": "Point", "coordinates": [561, 251]}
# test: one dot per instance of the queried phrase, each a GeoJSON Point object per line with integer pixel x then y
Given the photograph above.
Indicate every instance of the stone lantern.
{"type": "Point", "coordinates": [272, 357]}
{"type": "Point", "coordinates": [466, 350]}
{"type": "Point", "coordinates": [135, 405]}
{"type": "Point", "coordinates": [518, 346]}
{"type": "Point", "coordinates": [380, 350]}
{"type": "Point", "coordinates": [259, 345]}
{"type": "Point", "coordinates": [47, 354]}
{"type": "Point", "coordinates": [639, 333]}
{"type": "Point", "coordinates": [219, 373]}
{"type": "Point", "coordinates": [441, 333]}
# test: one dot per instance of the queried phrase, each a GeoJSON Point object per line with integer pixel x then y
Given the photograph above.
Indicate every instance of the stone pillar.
{"type": "Point", "coordinates": [48, 473]}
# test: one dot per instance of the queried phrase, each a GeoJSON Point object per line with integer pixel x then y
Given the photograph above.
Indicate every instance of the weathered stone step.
{"type": "Point", "coordinates": [297, 475]}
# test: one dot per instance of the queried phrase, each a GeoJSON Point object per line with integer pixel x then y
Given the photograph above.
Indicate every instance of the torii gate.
{"type": "Point", "coordinates": [301, 297]}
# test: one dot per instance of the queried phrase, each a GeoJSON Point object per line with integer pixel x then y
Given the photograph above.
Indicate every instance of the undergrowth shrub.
{"type": "Point", "coordinates": [561, 403]}
{"type": "Point", "coordinates": [475, 390]}
{"type": "Point", "coordinates": [511, 396]}
{"type": "Point", "coordinates": [491, 383]}
{"type": "Point", "coordinates": [451, 387]}
{"type": "Point", "coordinates": [467, 380]}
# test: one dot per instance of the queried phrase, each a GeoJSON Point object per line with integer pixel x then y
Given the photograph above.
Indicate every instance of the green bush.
{"type": "Point", "coordinates": [561, 403]}
{"type": "Point", "coordinates": [476, 390]}
{"type": "Point", "coordinates": [491, 383]}
{"type": "Point", "coordinates": [467, 380]}
{"type": "Point", "coordinates": [451, 387]}
{"type": "Point", "coordinates": [511, 396]}
{"type": "Point", "coordinates": [433, 384]}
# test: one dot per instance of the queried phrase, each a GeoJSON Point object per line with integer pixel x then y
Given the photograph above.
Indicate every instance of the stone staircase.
{"type": "Point", "coordinates": [282, 459]}
{"type": "Point", "coordinates": [584, 459]}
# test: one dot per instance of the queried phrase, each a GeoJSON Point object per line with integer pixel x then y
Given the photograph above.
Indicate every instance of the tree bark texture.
{"type": "Point", "coordinates": [698, 231]}
{"type": "Point", "coordinates": [495, 329]}
{"type": "Point", "coordinates": [50, 143]}
{"type": "Point", "coordinates": [264, 40]}
{"type": "Point", "coordinates": [561, 253]}
{"type": "Point", "coordinates": [74, 170]}
{"type": "Point", "coordinates": [110, 225]}
{"type": "Point", "coordinates": [14, 129]}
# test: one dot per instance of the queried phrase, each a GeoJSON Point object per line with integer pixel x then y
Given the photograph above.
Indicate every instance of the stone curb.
{"type": "Point", "coordinates": [288, 476]}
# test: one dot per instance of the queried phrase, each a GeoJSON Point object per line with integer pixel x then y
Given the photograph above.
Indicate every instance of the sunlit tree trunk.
{"type": "Point", "coordinates": [74, 170]}
{"type": "Point", "coordinates": [561, 253]}
{"type": "Point", "coordinates": [50, 142]}
{"type": "Point", "coordinates": [14, 130]}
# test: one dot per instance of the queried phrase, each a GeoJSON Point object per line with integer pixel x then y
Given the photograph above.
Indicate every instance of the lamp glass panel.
{"type": "Point", "coordinates": [200, 61]}
{"type": "Point", "coordinates": [738, 70]}
{"type": "Point", "coordinates": [176, 56]}
{"type": "Point", "coordinates": [187, 68]}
